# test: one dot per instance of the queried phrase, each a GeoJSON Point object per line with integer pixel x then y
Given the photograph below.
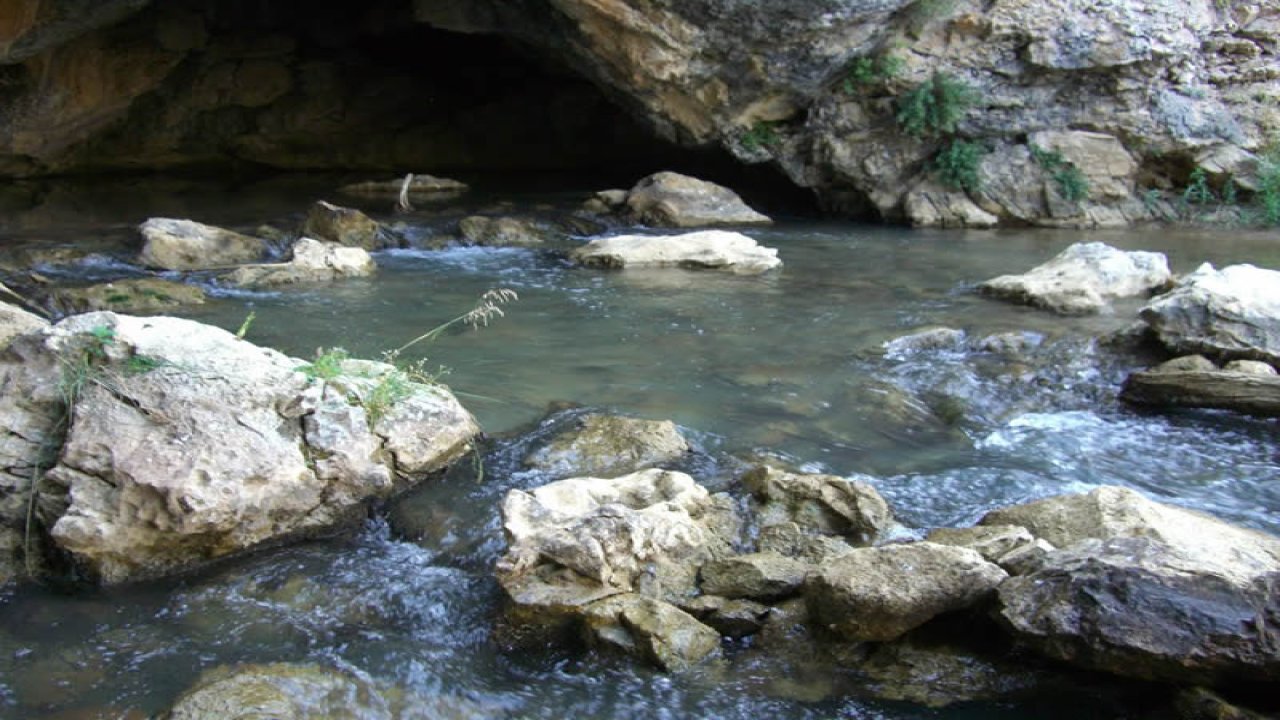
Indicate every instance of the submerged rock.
{"type": "Point", "coordinates": [708, 249]}
{"type": "Point", "coordinates": [1232, 313]}
{"type": "Point", "coordinates": [346, 226]}
{"type": "Point", "coordinates": [878, 594]}
{"type": "Point", "coordinates": [501, 231]}
{"type": "Point", "coordinates": [669, 199]}
{"type": "Point", "coordinates": [171, 244]}
{"type": "Point", "coordinates": [1083, 278]}
{"type": "Point", "coordinates": [184, 444]}
{"type": "Point", "coordinates": [609, 445]}
{"type": "Point", "coordinates": [312, 261]}
{"type": "Point", "coordinates": [131, 296]}
{"type": "Point", "coordinates": [1146, 590]}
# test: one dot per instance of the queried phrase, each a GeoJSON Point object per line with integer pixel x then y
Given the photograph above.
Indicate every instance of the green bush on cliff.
{"type": "Point", "coordinates": [870, 71]}
{"type": "Point", "coordinates": [1268, 192]}
{"type": "Point", "coordinates": [1072, 183]}
{"type": "Point", "coordinates": [935, 106]}
{"type": "Point", "coordinates": [760, 136]}
{"type": "Point", "coordinates": [958, 163]}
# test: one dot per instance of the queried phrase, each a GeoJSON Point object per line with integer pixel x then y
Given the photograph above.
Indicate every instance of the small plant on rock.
{"type": "Point", "coordinates": [871, 70]}
{"type": "Point", "coordinates": [958, 164]}
{"type": "Point", "coordinates": [936, 106]}
{"type": "Point", "coordinates": [1072, 183]}
{"type": "Point", "coordinates": [760, 136]}
{"type": "Point", "coordinates": [1268, 192]}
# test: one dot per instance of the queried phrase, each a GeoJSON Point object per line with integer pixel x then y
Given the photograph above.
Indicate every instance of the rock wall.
{"type": "Point", "coordinates": [1071, 112]}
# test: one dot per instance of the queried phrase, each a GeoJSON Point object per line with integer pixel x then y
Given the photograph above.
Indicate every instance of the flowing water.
{"type": "Point", "coordinates": [796, 366]}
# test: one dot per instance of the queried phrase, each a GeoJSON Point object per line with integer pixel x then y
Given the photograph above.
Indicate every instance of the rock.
{"type": "Point", "coordinates": [878, 594]}
{"type": "Point", "coordinates": [759, 576]}
{"type": "Point", "coordinates": [284, 691]}
{"type": "Point", "coordinates": [171, 244]}
{"type": "Point", "coordinates": [1186, 363]}
{"type": "Point", "coordinates": [346, 226]}
{"type": "Point", "coordinates": [131, 296]}
{"type": "Point", "coordinates": [15, 321]}
{"type": "Point", "coordinates": [930, 340]}
{"type": "Point", "coordinates": [421, 187]}
{"type": "Point", "coordinates": [991, 541]}
{"type": "Point", "coordinates": [669, 199]}
{"type": "Point", "coordinates": [186, 444]}
{"type": "Point", "coordinates": [1254, 393]}
{"type": "Point", "coordinates": [733, 618]}
{"type": "Point", "coordinates": [609, 445]}
{"type": "Point", "coordinates": [931, 205]}
{"type": "Point", "coordinates": [578, 540]}
{"type": "Point", "coordinates": [1232, 313]}
{"type": "Point", "coordinates": [1083, 278]}
{"type": "Point", "coordinates": [1140, 607]}
{"type": "Point", "coordinates": [651, 629]}
{"type": "Point", "coordinates": [501, 232]}
{"type": "Point", "coordinates": [1250, 367]}
{"type": "Point", "coordinates": [1101, 159]}
{"type": "Point", "coordinates": [821, 503]}
{"type": "Point", "coordinates": [710, 249]}
{"type": "Point", "coordinates": [938, 676]}
{"type": "Point", "coordinates": [789, 539]}
{"type": "Point", "coordinates": [1204, 704]}
{"type": "Point", "coordinates": [313, 261]}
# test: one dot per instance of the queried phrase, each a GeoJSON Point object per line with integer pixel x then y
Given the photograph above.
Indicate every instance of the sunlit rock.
{"type": "Point", "coordinates": [669, 199]}
{"type": "Point", "coordinates": [346, 226]}
{"type": "Point", "coordinates": [1084, 278]}
{"type": "Point", "coordinates": [609, 445]}
{"type": "Point", "coordinates": [171, 244]}
{"type": "Point", "coordinates": [142, 295]}
{"type": "Point", "coordinates": [1232, 313]}
{"type": "Point", "coordinates": [707, 249]}
{"type": "Point", "coordinates": [312, 261]}
{"type": "Point", "coordinates": [825, 504]}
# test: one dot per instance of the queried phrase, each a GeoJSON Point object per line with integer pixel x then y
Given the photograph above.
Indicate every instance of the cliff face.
{"type": "Point", "coordinates": [953, 112]}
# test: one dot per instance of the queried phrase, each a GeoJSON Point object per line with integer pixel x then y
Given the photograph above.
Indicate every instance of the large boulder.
{"type": "Point", "coordinates": [140, 295]}
{"type": "Point", "coordinates": [709, 249]}
{"type": "Point", "coordinates": [669, 199]}
{"type": "Point", "coordinates": [880, 593]}
{"type": "Point", "coordinates": [609, 445]}
{"type": "Point", "coordinates": [312, 261]}
{"type": "Point", "coordinates": [170, 244]}
{"type": "Point", "coordinates": [1248, 386]}
{"type": "Point", "coordinates": [825, 504]}
{"type": "Point", "coordinates": [346, 226]}
{"type": "Point", "coordinates": [184, 444]}
{"type": "Point", "coordinates": [1229, 313]}
{"type": "Point", "coordinates": [1084, 278]}
{"type": "Point", "coordinates": [1146, 590]}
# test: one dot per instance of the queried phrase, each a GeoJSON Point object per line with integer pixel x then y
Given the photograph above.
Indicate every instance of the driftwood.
{"type": "Point", "coordinates": [1243, 392]}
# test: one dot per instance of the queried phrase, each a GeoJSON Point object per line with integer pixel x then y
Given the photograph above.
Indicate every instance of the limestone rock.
{"type": "Point", "coordinates": [578, 540]}
{"type": "Point", "coordinates": [501, 232]}
{"type": "Point", "coordinates": [993, 542]}
{"type": "Point", "coordinates": [669, 199]}
{"type": "Point", "coordinates": [759, 576]}
{"type": "Point", "coordinates": [733, 618]}
{"type": "Point", "coordinates": [421, 187]}
{"type": "Point", "coordinates": [131, 296]}
{"type": "Point", "coordinates": [1140, 607]}
{"type": "Point", "coordinates": [609, 445]}
{"type": "Point", "coordinates": [171, 244]}
{"type": "Point", "coordinates": [651, 629]}
{"type": "Point", "coordinates": [791, 540]}
{"type": "Point", "coordinates": [312, 261]}
{"type": "Point", "coordinates": [712, 249]}
{"type": "Point", "coordinates": [1250, 367]}
{"type": "Point", "coordinates": [1083, 278]}
{"type": "Point", "coordinates": [878, 594]}
{"type": "Point", "coordinates": [931, 205]}
{"type": "Point", "coordinates": [1254, 393]}
{"type": "Point", "coordinates": [1232, 313]}
{"type": "Point", "coordinates": [346, 226]}
{"type": "Point", "coordinates": [938, 676]}
{"type": "Point", "coordinates": [1101, 159]}
{"type": "Point", "coordinates": [821, 503]}
{"type": "Point", "coordinates": [186, 444]}
{"type": "Point", "coordinates": [15, 321]}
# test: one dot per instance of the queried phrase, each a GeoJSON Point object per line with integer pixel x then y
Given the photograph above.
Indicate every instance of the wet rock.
{"type": "Point", "coordinates": [15, 321]}
{"type": "Point", "coordinates": [930, 340]}
{"type": "Point", "coordinates": [938, 676]}
{"type": "Point", "coordinates": [1143, 608]}
{"type": "Point", "coordinates": [708, 249]}
{"type": "Point", "coordinates": [1083, 278]}
{"type": "Point", "coordinates": [130, 296]}
{"type": "Point", "coordinates": [789, 539]}
{"type": "Point", "coordinates": [733, 618]}
{"type": "Point", "coordinates": [501, 232]}
{"type": "Point", "coordinates": [878, 594]}
{"type": "Point", "coordinates": [582, 539]}
{"type": "Point", "coordinates": [186, 444]}
{"type": "Point", "coordinates": [171, 244]}
{"type": "Point", "coordinates": [821, 503]}
{"type": "Point", "coordinates": [346, 226]}
{"type": "Point", "coordinates": [1232, 313]}
{"type": "Point", "coordinates": [284, 691]}
{"type": "Point", "coordinates": [312, 262]}
{"type": "Point", "coordinates": [759, 576]}
{"type": "Point", "coordinates": [1186, 363]}
{"type": "Point", "coordinates": [1254, 393]}
{"type": "Point", "coordinates": [421, 187]}
{"type": "Point", "coordinates": [651, 629]}
{"type": "Point", "coordinates": [1204, 704]}
{"type": "Point", "coordinates": [669, 199]}
{"type": "Point", "coordinates": [991, 541]}
{"type": "Point", "coordinates": [609, 445]}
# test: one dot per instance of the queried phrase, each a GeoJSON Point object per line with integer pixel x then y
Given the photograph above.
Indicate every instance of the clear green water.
{"type": "Point", "coordinates": [791, 365]}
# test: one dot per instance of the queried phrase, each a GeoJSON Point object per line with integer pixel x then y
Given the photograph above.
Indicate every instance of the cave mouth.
{"type": "Point", "coordinates": [253, 88]}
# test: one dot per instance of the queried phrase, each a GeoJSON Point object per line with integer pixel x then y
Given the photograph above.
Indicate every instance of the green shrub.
{"type": "Point", "coordinates": [869, 71]}
{"type": "Point", "coordinates": [761, 135]}
{"type": "Point", "coordinates": [1269, 187]}
{"type": "Point", "coordinates": [1073, 184]}
{"type": "Point", "coordinates": [1198, 191]}
{"type": "Point", "coordinates": [958, 163]}
{"type": "Point", "coordinates": [935, 106]}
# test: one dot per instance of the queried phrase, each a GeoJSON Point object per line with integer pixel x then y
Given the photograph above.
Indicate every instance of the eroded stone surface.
{"type": "Point", "coordinates": [1083, 278]}
{"type": "Point", "coordinates": [708, 249]}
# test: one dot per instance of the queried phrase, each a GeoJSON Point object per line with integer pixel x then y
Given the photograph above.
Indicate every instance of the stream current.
{"type": "Point", "coordinates": [797, 365]}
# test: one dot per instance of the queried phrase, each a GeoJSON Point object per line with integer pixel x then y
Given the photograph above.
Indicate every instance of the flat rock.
{"type": "Point", "coordinates": [1253, 393]}
{"type": "Point", "coordinates": [609, 445]}
{"type": "Point", "coordinates": [1083, 279]}
{"type": "Point", "coordinates": [759, 576]}
{"type": "Point", "coordinates": [312, 262]}
{"type": "Point", "coordinates": [669, 199]}
{"type": "Point", "coordinates": [880, 593]}
{"type": "Point", "coordinates": [171, 244]}
{"type": "Point", "coordinates": [421, 187]}
{"type": "Point", "coordinates": [1232, 313]}
{"type": "Point", "coordinates": [129, 296]}
{"type": "Point", "coordinates": [708, 249]}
